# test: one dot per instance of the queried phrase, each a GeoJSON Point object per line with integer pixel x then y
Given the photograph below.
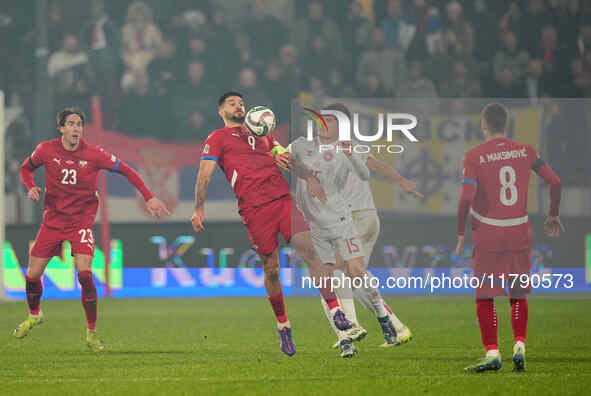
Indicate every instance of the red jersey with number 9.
{"type": "Point", "coordinates": [500, 169]}
{"type": "Point", "coordinates": [248, 165]}
{"type": "Point", "coordinates": [71, 181]}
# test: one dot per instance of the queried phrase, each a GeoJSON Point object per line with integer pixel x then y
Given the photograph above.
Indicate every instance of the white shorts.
{"type": "Point", "coordinates": [367, 223]}
{"type": "Point", "coordinates": [343, 240]}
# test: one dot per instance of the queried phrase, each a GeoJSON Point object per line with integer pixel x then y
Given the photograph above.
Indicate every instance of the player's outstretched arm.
{"type": "Point", "coordinates": [552, 226]}
{"type": "Point", "coordinates": [206, 168]}
{"type": "Point", "coordinates": [154, 206]}
{"type": "Point", "coordinates": [387, 172]}
{"type": "Point", "coordinates": [27, 169]}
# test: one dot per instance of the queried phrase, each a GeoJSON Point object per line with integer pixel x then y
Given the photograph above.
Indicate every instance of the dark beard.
{"type": "Point", "coordinates": [238, 120]}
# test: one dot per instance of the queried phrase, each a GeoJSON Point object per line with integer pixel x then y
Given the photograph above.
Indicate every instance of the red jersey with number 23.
{"type": "Point", "coordinates": [71, 182]}
{"type": "Point", "coordinates": [248, 165]}
{"type": "Point", "coordinates": [500, 169]}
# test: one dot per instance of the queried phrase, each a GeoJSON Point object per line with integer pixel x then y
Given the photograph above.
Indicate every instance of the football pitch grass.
{"type": "Point", "coordinates": [230, 346]}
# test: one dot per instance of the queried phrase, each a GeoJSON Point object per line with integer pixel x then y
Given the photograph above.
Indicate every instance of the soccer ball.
{"type": "Point", "coordinates": [260, 121]}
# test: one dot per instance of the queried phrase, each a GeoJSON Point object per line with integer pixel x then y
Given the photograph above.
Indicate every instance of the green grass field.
{"type": "Point", "coordinates": [229, 346]}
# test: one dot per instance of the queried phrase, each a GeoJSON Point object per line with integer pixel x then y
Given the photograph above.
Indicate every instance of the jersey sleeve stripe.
{"type": "Point", "coordinates": [33, 164]}
{"type": "Point", "coordinates": [116, 165]}
{"type": "Point", "coordinates": [472, 181]}
{"type": "Point", "coordinates": [538, 164]}
{"type": "Point", "coordinates": [210, 157]}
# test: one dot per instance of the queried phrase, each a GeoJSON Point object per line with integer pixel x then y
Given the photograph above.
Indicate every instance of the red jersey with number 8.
{"type": "Point", "coordinates": [500, 169]}
{"type": "Point", "coordinates": [248, 165]}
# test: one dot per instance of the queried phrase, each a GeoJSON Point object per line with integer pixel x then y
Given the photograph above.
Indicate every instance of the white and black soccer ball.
{"type": "Point", "coordinates": [260, 121]}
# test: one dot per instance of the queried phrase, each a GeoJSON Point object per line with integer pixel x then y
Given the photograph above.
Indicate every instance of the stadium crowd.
{"type": "Point", "coordinates": [158, 66]}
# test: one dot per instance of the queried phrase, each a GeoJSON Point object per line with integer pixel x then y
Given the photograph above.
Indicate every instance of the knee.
{"type": "Point", "coordinates": [33, 273]}
{"type": "Point", "coordinates": [85, 278]}
{"type": "Point", "coordinates": [355, 269]}
{"type": "Point", "coordinates": [271, 268]}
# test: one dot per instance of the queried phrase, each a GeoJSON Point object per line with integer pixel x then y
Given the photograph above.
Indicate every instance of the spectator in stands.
{"type": "Point", "coordinates": [388, 64]}
{"type": "Point", "coordinates": [548, 48]}
{"type": "Point", "coordinates": [279, 92]}
{"type": "Point", "coordinates": [356, 33]}
{"type": "Point", "coordinates": [223, 43]}
{"type": "Point", "coordinates": [425, 35]}
{"type": "Point", "coordinates": [337, 87]}
{"type": "Point", "coordinates": [461, 85]}
{"type": "Point", "coordinates": [100, 39]}
{"type": "Point", "coordinates": [457, 23]}
{"type": "Point", "coordinates": [417, 85]}
{"type": "Point", "coordinates": [266, 32]}
{"type": "Point", "coordinates": [584, 40]}
{"type": "Point", "coordinates": [194, 91]}
{"type": "Point", "coordinates": [317, 24]}
{"type": "Point", "coordinates": [371, 87]}
{"type": "Point", "coordinates": [441, 65]}
{"type": "Point", "coordinates": [249, 87]}
{"type": "Point", "coordinates": [568, 23]}
{"type": "Point", "coordinates": [393, 24]}
{"type": "Point", "coordinates": [535, 18]}
{"type": "Point", "coordinates": [143, 112]}
{"type": "Point", "coordinates": [70, 75]}
{"type": "Point", "coordinates": [315, 88]}
{"type": "Point", "coordinates": [288, 57]}
{"type": "Point", "coordinates": [507, 86]}
{"type": "Point", "coordinates": [246, 57]}
{"type": "Point", "coordinates": [164, 69]}
{"type": "Point", "coordinates": [579, 82]}
{"type": "Point", "coordinates": [141, 40]}
{"type": "Point", "coordinates": [484, 25]}
{"type": "Point", "coordinates": [536, 81]}
{"type": "Point", "coordinates": [510, 56]}
{"type": "Point", "coordinates": [196, 127]}
{"type": "Point", "coordinates": [318, 59]}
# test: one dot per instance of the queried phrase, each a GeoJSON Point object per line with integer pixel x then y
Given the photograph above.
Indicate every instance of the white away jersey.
{"type": "Point", "coordinates": [332, 168]}
{"type": "Point", "coordinates": [357, 190]}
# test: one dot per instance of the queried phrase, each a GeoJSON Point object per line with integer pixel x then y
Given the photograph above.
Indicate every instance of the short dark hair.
{"type": "Point", "coordinates": [495, 115]}
{"type": "Point", "coordinates": [68, 111]}
{"type": "Point", "coordinates": [338, 107]}
{"type": "Point", "coordinates": [226, 95]}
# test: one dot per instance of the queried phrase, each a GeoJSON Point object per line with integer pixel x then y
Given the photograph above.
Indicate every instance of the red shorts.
{"type": "Point", "coordinates": [502, 273]}
{"type": "Point", "coordinates": [264, 223]}
{"type": "Point", "coordinates": [48, 242]}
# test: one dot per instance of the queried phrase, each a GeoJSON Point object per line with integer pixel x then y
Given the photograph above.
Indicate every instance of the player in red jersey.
{"type": "Point", "coordinates": [71, 203]}
{"type": "Point", "coordinates": [264, 203]}
{"type": "Point", "coordinates": [494, 191]}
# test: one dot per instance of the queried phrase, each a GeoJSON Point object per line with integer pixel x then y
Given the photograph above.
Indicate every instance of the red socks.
{"type": "Point", "coordinates": [328, 294]}
{"type": "Point", "coordinates": [487, 319]}
{"type": "Point", "coordinates": [88, 297]}
{"type": "Point", "coordinates": [278, 306]}
{"type": "Point", "coordinates": [519, 312]}
{"type": "Point", "coordinates": [34, 291]}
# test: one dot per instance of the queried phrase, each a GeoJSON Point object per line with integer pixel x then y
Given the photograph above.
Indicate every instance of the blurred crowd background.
{"type": "Point", "coordinates": [159, 66]}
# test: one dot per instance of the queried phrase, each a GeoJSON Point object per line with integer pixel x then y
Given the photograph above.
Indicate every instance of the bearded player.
{"type": "Point", "coordinates": [70, 206]}
{"type": "Point", "coordinates": [264, 203]}
{"type": "Point", "coordinates": [494, 191]}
